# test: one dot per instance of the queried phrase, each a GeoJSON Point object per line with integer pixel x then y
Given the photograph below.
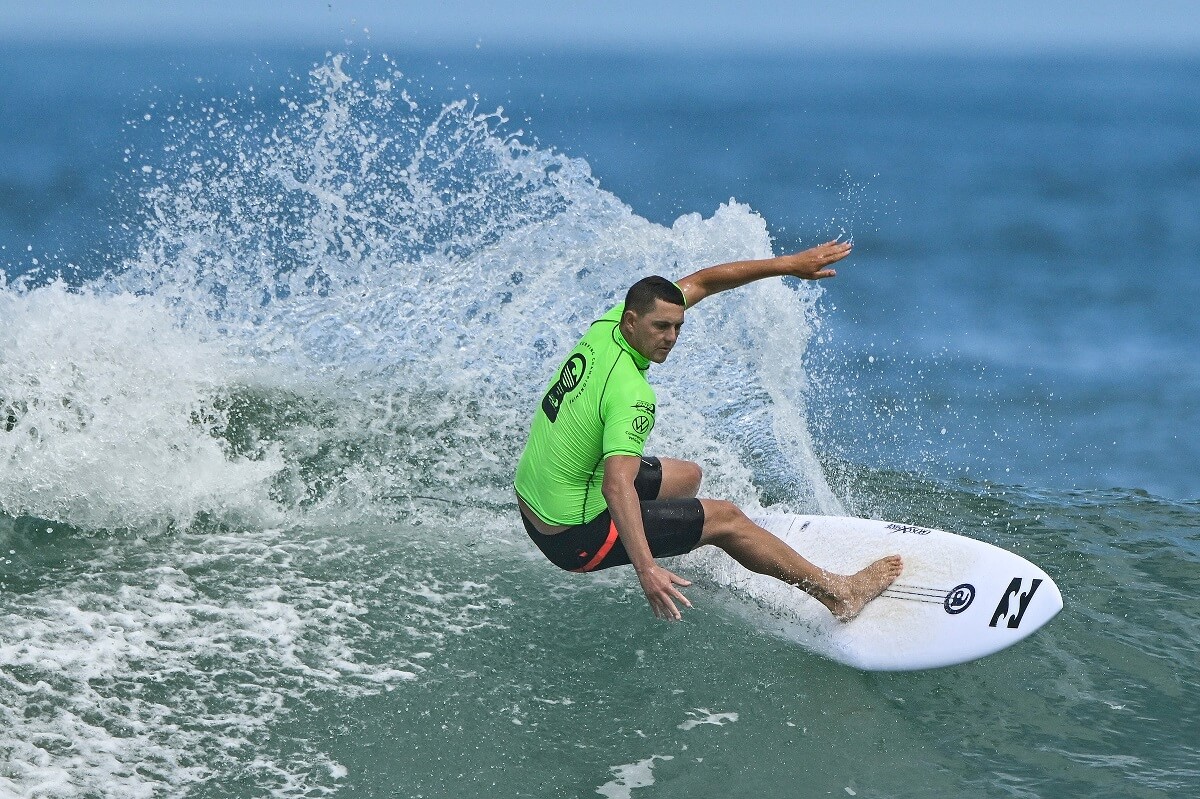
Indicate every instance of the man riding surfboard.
{"type": "Point", "coordinates": [589, 497]}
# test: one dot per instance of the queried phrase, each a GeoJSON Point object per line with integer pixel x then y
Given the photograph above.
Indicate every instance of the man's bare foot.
{"type": "Point", "coordinates": [847, 595]}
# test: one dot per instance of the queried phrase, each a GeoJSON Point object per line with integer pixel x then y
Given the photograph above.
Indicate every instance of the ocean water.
{"type": "Point", "coordinates": [272, 324]}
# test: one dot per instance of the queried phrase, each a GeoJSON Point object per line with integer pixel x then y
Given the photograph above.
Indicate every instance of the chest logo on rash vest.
{"type": "Point", "coordinates": [568, 380]}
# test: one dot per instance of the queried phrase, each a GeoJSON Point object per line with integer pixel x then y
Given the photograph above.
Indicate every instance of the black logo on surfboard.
{"type": "Point", "coordinates": [959, 598]}
{"type": "Point", "coordinates": [907, 529]}
{"type": "Point", "coordinates": [568, 379]}
{"type": "Point", "coordinates": [1004, 609]}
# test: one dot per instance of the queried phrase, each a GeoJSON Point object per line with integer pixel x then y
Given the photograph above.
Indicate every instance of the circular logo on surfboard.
{"type": "Point", "coordinates": [959, 598]}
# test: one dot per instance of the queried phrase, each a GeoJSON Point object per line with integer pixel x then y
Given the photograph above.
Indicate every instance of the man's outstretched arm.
{"type": "Point", "coordinates": [811, 264]}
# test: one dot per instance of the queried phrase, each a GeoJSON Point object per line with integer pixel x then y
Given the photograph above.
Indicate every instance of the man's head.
{"type": "Point", "coordinates": [653, 316]}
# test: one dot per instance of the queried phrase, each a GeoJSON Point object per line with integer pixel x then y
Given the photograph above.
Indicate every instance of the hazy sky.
{"type": "Point", "coordinates": [1129, 25]}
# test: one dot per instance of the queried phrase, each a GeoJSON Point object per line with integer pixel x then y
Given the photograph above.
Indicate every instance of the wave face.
{"type": "Point", "coordinates": [354, 305]}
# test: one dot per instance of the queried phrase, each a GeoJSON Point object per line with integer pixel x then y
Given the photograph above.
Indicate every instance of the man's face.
{"type": "Point", "coordinates": [653, 334]}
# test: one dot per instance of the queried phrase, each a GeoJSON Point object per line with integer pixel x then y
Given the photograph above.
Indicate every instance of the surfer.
{"type": "Point", "coordinates": [589, 497]}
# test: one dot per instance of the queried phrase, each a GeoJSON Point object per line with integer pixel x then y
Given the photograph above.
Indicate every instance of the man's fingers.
{"type": "Point", "coordinates": [664, 608]}
{"type": "Point", "coordinates": [680, 581]}
{"type": "Point", "coordinates": [814, 263]}
{"type": "Point", "coordinates": [662, 594]}
{"type": "Point", "coordinates": [675, 593]}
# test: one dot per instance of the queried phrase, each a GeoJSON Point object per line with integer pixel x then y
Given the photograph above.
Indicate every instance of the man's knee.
{"type": "Point", "coordinates": [691, 475]}
{"type": "Point", "coordinates": [724, 523]}
{"type": "Point", "coordinates": [681, 479]}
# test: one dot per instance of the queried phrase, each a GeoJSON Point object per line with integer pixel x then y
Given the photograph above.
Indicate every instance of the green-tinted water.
{"type": "Point", "coordinates": [393, 660]}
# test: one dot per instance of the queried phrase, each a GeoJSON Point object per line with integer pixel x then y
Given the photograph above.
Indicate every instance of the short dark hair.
{"type": "Point", "coordinates": [642, 294]}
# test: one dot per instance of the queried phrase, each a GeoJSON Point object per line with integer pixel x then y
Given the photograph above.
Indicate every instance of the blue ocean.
{"type": "Point", "coordinates": [274, 321]}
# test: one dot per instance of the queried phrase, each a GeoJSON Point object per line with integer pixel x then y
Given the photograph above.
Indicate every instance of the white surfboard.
{"type": "Point", "coordinates": [957, 599]}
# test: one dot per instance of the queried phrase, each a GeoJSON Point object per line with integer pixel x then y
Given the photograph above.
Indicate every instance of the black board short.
{"type": "Point", "coordinates": [673, 527]}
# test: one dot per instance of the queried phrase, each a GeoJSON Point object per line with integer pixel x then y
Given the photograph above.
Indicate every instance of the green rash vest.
{"type": "Point", "coordinates": [599, 405]}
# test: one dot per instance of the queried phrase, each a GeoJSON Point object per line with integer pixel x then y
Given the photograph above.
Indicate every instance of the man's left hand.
{"type": "Point", "coordinates": [813, 263]}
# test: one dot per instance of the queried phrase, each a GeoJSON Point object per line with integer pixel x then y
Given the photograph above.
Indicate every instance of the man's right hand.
{"type": "Point", "coordinates": [659, 584]}
{"type": "Point", "coordinates": [659, 587]}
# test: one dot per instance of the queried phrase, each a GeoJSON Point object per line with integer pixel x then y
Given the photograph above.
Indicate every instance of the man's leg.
{"type": "Point", "coordinates": [680, 479]}
{"type": "Point", "coordinates": [725, 526]}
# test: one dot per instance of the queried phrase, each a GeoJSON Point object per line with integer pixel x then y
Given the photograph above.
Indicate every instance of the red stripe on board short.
{"type": "Point", "coordinates": [603, 551]}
